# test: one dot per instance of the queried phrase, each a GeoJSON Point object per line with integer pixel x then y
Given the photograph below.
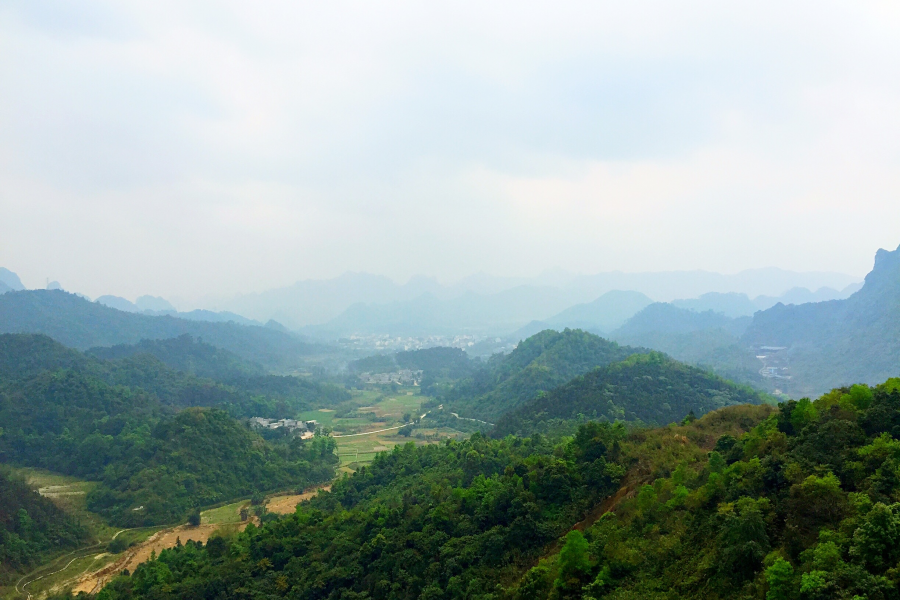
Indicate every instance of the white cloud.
{"type": "Point", "coordinates": [207, 147]}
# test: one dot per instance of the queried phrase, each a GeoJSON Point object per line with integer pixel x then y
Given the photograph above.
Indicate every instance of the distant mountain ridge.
{"type": "Point", "coordinates": [317, 302]}
{"type": "Point", "coordinates": [160, 307]}
{"type": "Point", "coordinates": [81, 324]}
{"type": "Point", "coordinates": [838, 342]}
{"type": "Point", "coordinates": [733, 304]}
{"type": "Point", "coordinates": [9, 281]}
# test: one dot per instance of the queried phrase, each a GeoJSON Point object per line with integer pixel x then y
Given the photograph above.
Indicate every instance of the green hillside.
{"type": "Point", "coordinates": [464, 520]}
{"type": "Point", "coordinates": [184, 353]}
{"type": "Point", "coordinates": [646, 388]}
{"type": "Point", "coordinates": [197, 458]}
{"type": "Point", "coordinates": [80, 324]}
{"type": "Point", "coordinates": [539, 363]}
{"type": "Point", "coordinates": [706, 339]}
{"type": "Point", "coordinates": [237, 388]}
{"type": "Point", "coordinates": [746, 503]}
{"type": "Point", "coordinates": [31, 527]}
{"type": "Point", "coordinates": [803, 507]}
{"type": "Point", "coordinates": [119, 422]}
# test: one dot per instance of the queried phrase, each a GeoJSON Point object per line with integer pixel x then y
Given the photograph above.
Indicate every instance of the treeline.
{"type": "Point", "coordinates": [124, 423]}
{"type": "Point", "coordinates": [31, 527]}
{"type": "Point", "coordinates": [181, 372]}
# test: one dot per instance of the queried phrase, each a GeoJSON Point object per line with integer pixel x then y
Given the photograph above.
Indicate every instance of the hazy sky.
{"type": "Point", "coordinates": [185, 148]}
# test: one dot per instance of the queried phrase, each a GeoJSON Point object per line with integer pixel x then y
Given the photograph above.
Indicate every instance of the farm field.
{"type": "Point", "coordinates": [70, 494]}
{"type": "Point", "coordinates": [360, 438]}
{"type": "Point", "coordinates": [230, 513]}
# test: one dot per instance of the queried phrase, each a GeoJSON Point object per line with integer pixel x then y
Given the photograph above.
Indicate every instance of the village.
{"type": "Point", "coordinates": [306, 429]}
{"type": "Point", "coordinates": [401, 377]}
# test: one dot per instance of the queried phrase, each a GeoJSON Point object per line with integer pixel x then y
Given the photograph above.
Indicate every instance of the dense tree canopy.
{"type": "Point", "coordinates": [31, 527]}
{"type": "Point", "coordinates": [644, 388]}
{"type": "Point", "coordinates": [119, 422]}
{"type": "Point", "coordinates": [539, 363]}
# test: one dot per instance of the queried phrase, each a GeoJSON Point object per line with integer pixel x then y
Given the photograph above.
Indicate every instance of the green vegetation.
{"type": "Point", "coordinates": [117, 422]}
{"type": "Point", "coordinates": [440, 366]}
{"type": "Point", "coordinates": [457, 520]}
{"type": "Point", "coordinates": [747, 502]}
{"type": "Point", "coordinates": [186, 354]}
{"type": "Point", "coordinates": [229, 513]}
{"type": "Point", "coordinates": [25, 358]}
{"type": "Point", "coordinates": [202, 457]}
{"type": "Point", "coordinates": [431, 521]}
{"type": "Point", "coordinates": [644, 388]}
{"type": "Point", "coordinates": [707, 339]}
{"type": "Point", "coordinates": [77, 323]}
{"type": "Point", "coordinates": [31, 527]}
{"type": "Point", "coordinates": [801, 507]}
{"type": "Point", "coordinates": [377, 363]}
{"type": "Point", "coordinates": [539, 364]}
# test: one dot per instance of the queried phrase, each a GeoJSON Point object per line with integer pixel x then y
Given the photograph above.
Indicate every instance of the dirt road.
{"type": "Point", "coordinates": [285, 505]}
{"type": "Point", "coordinates": [132, 557]}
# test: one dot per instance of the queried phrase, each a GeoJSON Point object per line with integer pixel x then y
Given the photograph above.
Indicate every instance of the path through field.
{"type": "Point", "coordinates": [167, 538]}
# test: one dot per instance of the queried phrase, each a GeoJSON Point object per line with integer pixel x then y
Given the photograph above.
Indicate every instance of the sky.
{"type": "Point", "coordinates": [196, 148]}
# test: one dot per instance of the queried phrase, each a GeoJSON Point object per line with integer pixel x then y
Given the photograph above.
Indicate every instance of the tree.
{"type": "Point", "coordinates": [574, 563]}
{"type": "Point", "coordinates": [194, 518]}
{"type": "Point", "coordinates": [876, 543]}
{"type": "Point", "coordinates": [743, 541]}
{"type": "Point", "coordinates": [780, 577]}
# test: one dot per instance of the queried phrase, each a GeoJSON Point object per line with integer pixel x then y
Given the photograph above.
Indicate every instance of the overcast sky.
{"type": "Point", "coordinates": [191, 148]}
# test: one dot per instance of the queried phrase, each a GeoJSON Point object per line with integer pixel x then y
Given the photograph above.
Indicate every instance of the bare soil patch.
{"type": "Point", "coordinates": [285, 505]}
{"type": "Point", "coordinates": [132, 557]}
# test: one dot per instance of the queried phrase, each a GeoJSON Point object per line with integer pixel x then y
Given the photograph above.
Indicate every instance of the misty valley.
{"type": "Point", "coordinates": [455, 444]}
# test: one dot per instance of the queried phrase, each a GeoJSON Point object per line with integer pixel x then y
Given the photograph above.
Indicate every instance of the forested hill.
{"type": "Point", "coordinates": [184, 353]}
{"type": "Point", "coordinates": [665, 318]}
{"type": "Point", "coordinates": [31, 527]}
{"type": "Point", "coordinates": [706, 339]}
{"type": "Point", "coordinates": [539, 363]}
{"type": "Point", "coordinates": [77, 323]}
{"type": "Point", "coordinates": [457, 521]}
{"type": "Point", "coordinates": [647, 388]}
{"type": "Point", "coordinates": [746, 503]}
{"type": "Point", "coordinates": [119, 422]}
{"type": "Point", "coordinates": [841, 341]}
{"type": "Point", "coordinates": [235, 388]}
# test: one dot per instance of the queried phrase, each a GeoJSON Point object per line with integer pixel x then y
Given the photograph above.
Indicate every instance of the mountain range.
{"type": "Point", "coordinates": [839, 342]}
{"type": "Point", "coordinates": [79, 323]}
{"type": "Point", "coordinates": [322, 302]}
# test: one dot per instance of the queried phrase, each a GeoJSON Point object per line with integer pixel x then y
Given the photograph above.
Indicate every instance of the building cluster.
{"type": "Point", "coordinates": [775, 362]}
{"type": "Point", "coordinates": [384, 342]}
{"type": "Point", "coordinates": [401, 377]}
{"type": "Point", "coordinates": [306, 429]}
